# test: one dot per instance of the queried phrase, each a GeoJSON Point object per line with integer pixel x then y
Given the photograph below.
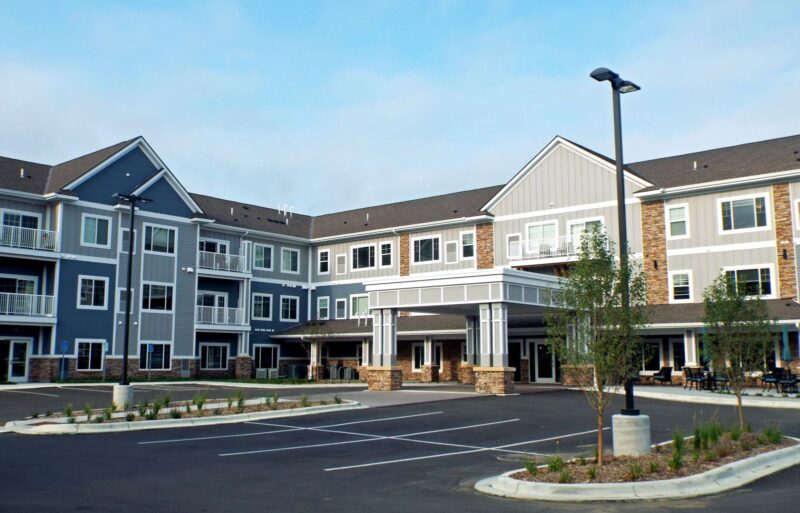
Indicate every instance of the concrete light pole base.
{"type": "Point", "coordinates": [123, 394]}
{"type": "Point", "coordinates": [631, 435]}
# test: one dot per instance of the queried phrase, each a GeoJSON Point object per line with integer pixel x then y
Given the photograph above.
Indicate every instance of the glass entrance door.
{"type": "Point", "coordinates": [266, 357]}
{"type": "Point", "coordinates": [543, 367]}
{"type": "Point", "coordinates": [18, 361]}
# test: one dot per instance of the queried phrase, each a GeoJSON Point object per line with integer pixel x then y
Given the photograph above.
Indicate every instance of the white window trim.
{"type": "Point", "coordinates": [458, 249]}
{"type": "Point", "coordinates": [796, 214]}
{"type": "Point", "coordinates": [118, 303]}
{"type": "Point", "coordinates": [105, 279]}
{"type": "Point", "coordinates": [344, 266]}
{"type": "Point", "coordinates": [165, 284]}
{"type": "Point", "coordinates": [277, 354]}
{"type": "Point", "coordinates": [691, 287]}
{"type": "Point", "coordinates": [585, 220]}
{"type": "Point", "coordinates": [667, 223]}
{"type": "Point", "coordinates": [354, 296]}
{"type": "Point", "coordinates": [380, 254]}
{"type": "Point", "coordinates": [374, 252]}
{"type": "Point", "coordinates": [413, 352]}
{"type": "Point", "coordinates": [298, 260]}
{"type": "Point", "coordinates": [213, 344]}
{"type": "Point", "coordinates": [767, 205]}
{"type": "Point", "coordinates": [102, 352]}
{"type": "Point", "coordinates": [426, 262]}
{"type": "Point", "coordinates": [772, 276]}
{"type": "Point", "coordinates": [461, 256]}
{"type": "Point", "coordinates": [319, 261]}
{"type": "Point", "coordinates": [280, 309]}
{"type": "Point", "coordinates": [83, 230]}
{"type": "Point", "coordinates": [271, 257]}
{"type": "Point", "coordinates": [160, 343]}
{"type": "Point", "coordinates": [162, 253]}
{"type": "Point", "coordinates": [271, 305]}
{"type": "Point", "coordinates": [346, 311]}
{"type": "Point", "coordinates": [508, 243]}
{"type": "Point", "coordinates": [37, 215]}
{"type": "Point", "coordinates": [220, 242]}
{"type": "Point", "coordinates": [554, 222]}
{"type": "Point", "coordinates": [329, 308]}
{"type": "Point", "coordinates": [123, 248]}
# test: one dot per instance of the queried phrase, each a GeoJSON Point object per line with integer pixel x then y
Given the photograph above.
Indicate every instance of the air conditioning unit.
{"type": "Point", "coordinates": [261, 373]}
{"type": "Point", "coordinates": [273, 374]}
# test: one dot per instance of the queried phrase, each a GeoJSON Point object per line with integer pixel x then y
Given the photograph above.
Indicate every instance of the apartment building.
{"type": "Point", "coordinates": [451, 287]}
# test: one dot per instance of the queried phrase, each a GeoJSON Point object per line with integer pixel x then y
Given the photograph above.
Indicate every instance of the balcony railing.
{"type": "Point", "coordinates": [30, 305]}
{"type": "Point", "coordinates": [539, 249]}
{"type": "Point", "coordinates": [221, 316]}
{"type": "Point", "coordinates": [223, 262]}
{"type": "Point", "coordinates": [28, 238]}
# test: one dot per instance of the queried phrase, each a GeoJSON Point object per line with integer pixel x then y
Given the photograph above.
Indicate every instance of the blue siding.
{"type": "Point", "coordinates": [335, 292]}
{"type": "Point", "coordinates": [261, 330]}
{"type": "Point", "coordinates": [124, 175]}
{"type": "Point", "coordinates": [231, 339]}
{"type": "Point", "coordinates": [40, 345]}
{"type": "Point", "coordinates": [165, 200]}
{"type": "Point", "coordinates": [76, 323]}
{"type": "Point", "coordinates": [33, 268]}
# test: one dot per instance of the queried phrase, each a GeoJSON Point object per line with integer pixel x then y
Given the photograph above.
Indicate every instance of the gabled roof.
{"type": "Point", "coordinates": [67, 172]}
{"type": "Point", "coordinates": [32, 179]}
{"type": "Point", "coordinates": [730, 163]}
{"type": "Point", "coordinates": [253, 217]}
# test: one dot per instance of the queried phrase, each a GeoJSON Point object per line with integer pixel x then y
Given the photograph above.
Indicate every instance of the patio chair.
{"type": "Point", "coordinates": [693, 378]}
{"type": "Point", "coordinates": [788, 382]}
{"type": "Point", "coordinates": [721, 381]}
{"type": "Point", "coordinates": [771, 380]}
{"type": "Point", "coordinates": [664, 375]}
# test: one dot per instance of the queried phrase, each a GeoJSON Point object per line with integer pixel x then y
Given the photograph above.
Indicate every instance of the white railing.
{"type": "Point", "coordinates": [30, 305]}
{"type": "Point", "coordinates": [223, 262]}
{"type": "Point", "coordinates": [551, 247]}
{"type": "Point", "coordinates": [220, 316]}
{"type": "Point", "coordinates": [28, 238]}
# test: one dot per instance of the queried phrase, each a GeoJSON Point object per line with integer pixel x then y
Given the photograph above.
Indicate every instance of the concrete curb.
{"type": "Point", "coordinates": [33, 386]}
{"type": "Point", "coordinates": [25, 427]}
{"type": "Point", "coordinates": [722, 399]}
{"type": "Point", "coordinates": [720, 479]}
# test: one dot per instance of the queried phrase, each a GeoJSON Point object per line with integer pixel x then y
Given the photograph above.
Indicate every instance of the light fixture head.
{"type": "Point", "coordinates": [626, 86]}
{"type": "Point", "coordinates": [603, 74]}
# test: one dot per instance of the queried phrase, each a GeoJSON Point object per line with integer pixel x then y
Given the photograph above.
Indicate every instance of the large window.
{"type": "Point", "coordinates": [290, 260]}
{"type": "Point", "coordinates": [678, 221]}
{"type": "Point", "coordinates": [266, 356]}
{"type": "Point", "coordinates": [324, 262]}
{"type": "Point", "coordinates": [90, 355]}
{"type": "Point", "coordinates": [262, 306]}
{"type": "Point", "coordinates": [262, 257]}
{"type": "Point", "coordinates": [651, 355]}
{"type": "Point", "coordinates": [743, 214]}
{"type": "Point", "coordinates": [95, 231]}
{"type": "Point", "coordinates": [755, 282]}
{"type": "Point", "coordinates": [155, 356]}
{"type": "Point", "coordinates": [290, 308]}
{"type": "Point", "coordinates": [213, 356]}
{"type": "Point", "coordinates": [363, 257]}
{"type": "Point", "coordinates": [159, 239]}
{"type": "Point", "coordinates": [20, 220]}
{"type": "Point", "coordinates": [359, 306]}
{"type": "Point", "coordinates": [386, 254]}
{"type": "Point", "coordinates": [17, 285]}
{"type": "Point", "coordinates": [323, 308]}
{"type": "Point", "coordinates": [467, 245]}
{"type": "Point", "coordinates": [680, 286]}
{"type": "Point", "coordinates": [426, 250]}
{"type": "Point", "coordinates": [578, 228]}
{"type": "Point", "coordinates": [92, 292]}
{"type": "Point", "coordinates": [213, 246]}
{"type": "Point", "coordinates": [157, 296]}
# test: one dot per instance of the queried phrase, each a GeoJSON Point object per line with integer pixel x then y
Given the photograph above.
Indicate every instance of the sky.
{"type": "Point", "coordinates": [327, 106]}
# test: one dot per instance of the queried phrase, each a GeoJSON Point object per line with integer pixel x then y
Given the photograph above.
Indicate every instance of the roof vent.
{"type": "Point", "coordinates": [694, 165]}
{"type": "Point", "coordinates": [367, 217]}
{"type": "Point", "coordinates": [231, 210]}
{"type": "Point", "coordinates": [22, 172]}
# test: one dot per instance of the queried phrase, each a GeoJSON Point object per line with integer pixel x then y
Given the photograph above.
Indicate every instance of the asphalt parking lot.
{"type": "Point", "coordinates": [413, 457]}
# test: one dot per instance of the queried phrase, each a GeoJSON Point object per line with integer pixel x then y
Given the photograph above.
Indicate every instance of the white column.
{"type": "Point", "coordinates": [428, 346]}
{"type": "Point", "coordinates": [486, 333]}
{"type": "Point", "coordinates": [472, 336]}
{"type": "Point", "coordinates": [690, 347]}
{"type": "Point", "coordinates": [389, 337]}
{"type": "Point", "coordinates": [377, 338]}
{"type": "Point", "coordinates": [365, 352]}
{"type": "Point", "coordinates": [500, 335]}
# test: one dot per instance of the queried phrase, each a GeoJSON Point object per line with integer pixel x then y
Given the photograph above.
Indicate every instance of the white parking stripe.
{"type": "Point", "coordinates": [86, 389]}
{"type": "Point", "coordinates": [291, 428]}
{"type": "Point", "coordinates": [33, 393]}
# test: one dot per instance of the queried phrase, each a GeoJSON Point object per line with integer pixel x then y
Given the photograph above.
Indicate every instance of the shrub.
{"type": "Point", "coordinates": [175, 413]}
{"type": "Point", "coordinates": [141, 408]}
{"type": "Point", "coordinates": [230, 401]}
{"type": "Point", "coordinates": [337, 399]}
{"type": "Point", "coordinates": [695, 456]}
{"type": "Point", "coordinates": [555, 464]}
{"type": "Point", "coordinates": [735, 433]}
{"type": "Point", "coordinates": [564, 476]}
{"type": "Point", "coordinates": [581, 460]}
{"type": "Point", "coordinates": [99, 419]}
{"type": "Point", "coordinates": [155, 408]}
{"type": "Point", "coordinates": [675, 462]}
{"type": "Point", "coordinates": [772, 434]}
{"type": "Point", "coordinates": [678, 442]}
{"type": "Point", "coordinates": [724, 449]}
{"type": "Point", "coordinates": [240, 399]}
{"type": "Point", "coordinates": [655, 467]}
{"type": "Point", "coordinates": [323, 403]}
{"type": "Point", "coordinates": [591, 472]}
{"type": "Point", "coordinates": [35, 415]}
{"type": "Point", "coordinates": [126, 406]}
{"type": "Point", "coordinates": [188, 407]}
{"type": "Point", "coordinates": [199, 400]}
{"type": "Point", "coordinates": [531, 467]}
{"type": "Point", "coordinates": [697, 441]}
{"type": "Point", "coordinates": [130, 417]}
{"type": "Point", "coordinates": [107, 413]}
{"type": "Point", "coordinates": [304, 401]}
{"type": "Point", "coordinates": [87, 409]}
{"type": "Point", "coordinates": [635, 471]}
{"type": "Point", "coordinates": [71, 419]}
{"type": "Point", "coordinates": [114, 407]}
{"type": "Point", "coordinates": [217, 411]}
{"type": "Point", "coordinates": [167, 399]}
{"type": "Point", "coordinates": [48, 413]}
{"type": "Point", "coordinates": [710, 455]}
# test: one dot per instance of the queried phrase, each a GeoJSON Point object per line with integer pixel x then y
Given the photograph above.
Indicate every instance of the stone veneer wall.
{"type": "Point", "coordinates": [654, 239]}
{"type": "Point", "coordinates": [405, 258]}
{"type": "Point", "coordinates": [47, 370]}
{"type": "Point", "coordinates": [494, 380]}
{"type": "Point", "coordinates": [384, 378]}
{"type": "Point", "coordinates": [485, 236]}
{"type": "Point", "coordinates": [784, 239]}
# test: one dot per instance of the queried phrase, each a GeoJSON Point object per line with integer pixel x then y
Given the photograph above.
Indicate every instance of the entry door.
{"type": "Point", "coordinates": [266, 357]}
{"type": "Point", "coordinates": [515, 358]}
{"type": "Point", "coordinates": [18, 361]}
{"type": "Point", "coordinates": [543, 362]}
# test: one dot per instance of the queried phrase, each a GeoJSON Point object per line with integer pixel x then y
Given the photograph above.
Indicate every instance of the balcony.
{"type": "Point", "coordinates": [223, 262]}
{"type": "Point", "coordinates": [552, 248]}
{"type": "Point", "coordinates": [26, 305]}
{"type": "Point", "coordinates": [218, 316]}
{"type": "Point", "coordinates": [28, 238]}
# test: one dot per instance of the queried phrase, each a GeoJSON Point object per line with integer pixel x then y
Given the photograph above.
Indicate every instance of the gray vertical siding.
{"type": "Point", "coordinates": [345, 248]}
{"type": "Point", "coordinates": [276, 273]}
{"type": "Point", "coordinates": [234, 241]}
{"type": "Point", "coordinates": [446, 235]}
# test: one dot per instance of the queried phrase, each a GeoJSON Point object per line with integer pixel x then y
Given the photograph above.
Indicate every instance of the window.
{"type": "Point", "coordinates": [90, 355]}
{"type": "Point", "coordinates": [341, 264]}
{"type": "Point", "coordinates": [157, 297]}
{"type": "Point", "coordinates": [341, 308]}
{"type": "Point", "coordinates": [359, 306]}
{"type": "Point", "coordinates": [651, 355]}
{"type": "Point", "coordinates": [17, 285]}
{"type": "Point", "coordinates": [467, 245]}
{"type": "Point", "coordinates": [92, 292]}
{"type": "Point", "coordinates": [678, 354]}
{"type": "Point", "coordinates": [290, 260]}
{"type": "Point", "coordinates": [213, 356]}
{"type": "Point", "coordinates": [124, 240]}
{"type": "Point", "coordinates": [154, 356]}
{"type": "Point", "coordinates": [544, 233]}
{"type": "Point", "coordinates": [262, 257]}
{"type": "Point", "coordinates": [262, 306]}
{"type": "Point", "coordinates": [324, 262]}
{"type": "Point", "coordinates": [212, 299]}
{"type": "Point", "coordinates": [426, 250]}
{"type": "Point", "coordinates": [451, 252]}
{"type": "Point", "coordinates": [122, 299]}
{"type": "Point", "coordinates": [213, 246]}
{"type": "Point", "coordinates": [680, 286]}
{"type": "Point", "coordinates": [95, 231]}
{"type": "Point", "coordinates": [678, 221]}
{"type": "Point", "coordinates": [266, 356]}
{"type": "Point", "coordinates": [158, 239]}
{"type": "Point", "coordinates": [386, 254]}
{"type": "Point", "coordinates": [363, 257]}
{"type": "Point", "coordinates": [418, 350]}
{"type": "Point", "coordinates": [743, 214]}
{"type": "Point", "coordinates": [323, 308]}
{"type": "Point", "coordinates": [514, 246]}
{"type": "Point", "coordinates": [20, 220]}
{"type": "Point", "coordinates": [754, 282]}
{"type": "Point", "coordinates": [290, 308]}
{"type": "Point", "coordinates": [577, 228]}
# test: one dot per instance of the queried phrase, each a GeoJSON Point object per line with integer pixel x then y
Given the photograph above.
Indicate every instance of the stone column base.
{"type": "Point", "coordinates": [430, 373]}
{"type": "Point", "coordinates": [244, 367]}
{"type": "Point", "coordinates": [317, 372]}
{"type": "Point", "coordinates": [43, 370]}
{"type": "Point", "coordinates": [384, 379]}
{"type": "Point", "coordinates": [577, 375]}
{"type": "Point", "coordinates": [466, 373]}
{"type": "Point", "coordinates": [494, 380]}
{"type": "Point", "coordinates": [362, 373]}
{"type": "Point", "coordinates": [631, 434]}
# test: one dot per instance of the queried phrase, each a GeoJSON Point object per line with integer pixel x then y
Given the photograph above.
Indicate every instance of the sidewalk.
{"type": "Point", "coordinates": [754, 398]}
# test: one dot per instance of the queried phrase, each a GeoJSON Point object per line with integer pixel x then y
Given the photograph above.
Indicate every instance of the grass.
{"type": "Point", "coordinates": [555, 464]}
{"type": "Point", "coordinates": [635, 471]}
{"type": "Point", "coordinates": [305, 402]}
{"type": "Point", "coordinates": [531, 467]}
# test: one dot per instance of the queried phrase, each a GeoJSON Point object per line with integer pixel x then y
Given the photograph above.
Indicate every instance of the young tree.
{"type": "Point", "coordinates": [738, 331]}
{"type": "Point", "coordinates": [591, 333]}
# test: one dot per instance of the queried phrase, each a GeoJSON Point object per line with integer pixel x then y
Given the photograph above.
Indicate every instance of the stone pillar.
{"type": "Point", "coordinates": [484, 358]}
{"type": "Point", "coordinates": [466, 373]}
{"type": "Point", "coordinates": [244, 367]}
{"type": "Point", "coordinates": [384, 373]}
{"type": "Point", "coordinates": [654, 249]}
{"type": "Point", "coordinates": [784, 238]}
{"type": "Point", "coordinates": [492, 375]}
{"type": "Point", "coordinates": [494, 380]}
